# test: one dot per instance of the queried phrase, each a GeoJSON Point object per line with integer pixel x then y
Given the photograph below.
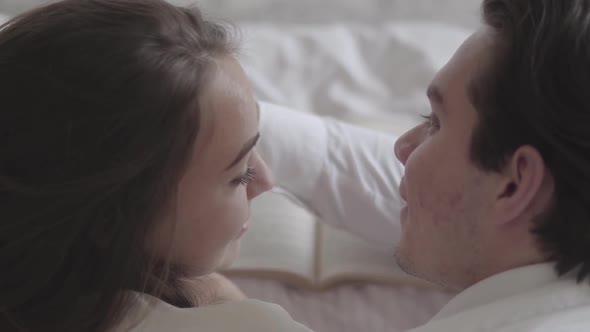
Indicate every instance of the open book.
{"type": "Point", "coordinates": [287, 243]}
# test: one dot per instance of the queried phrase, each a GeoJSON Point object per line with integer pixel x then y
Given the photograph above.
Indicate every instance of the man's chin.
{"type": "Point", "coordinates": [406, 263]}
{"type": "Point", "coordinates": [409, 266]}
{"type": "Point", "coordinates": [402, 261]}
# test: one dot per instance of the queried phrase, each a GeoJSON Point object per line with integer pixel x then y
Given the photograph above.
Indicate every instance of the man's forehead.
{"type": "Point", "coordinates": [468, 63]}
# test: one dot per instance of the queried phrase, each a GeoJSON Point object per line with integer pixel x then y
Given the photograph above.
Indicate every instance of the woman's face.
{"type": "Point", "coordinates": [223, 175]}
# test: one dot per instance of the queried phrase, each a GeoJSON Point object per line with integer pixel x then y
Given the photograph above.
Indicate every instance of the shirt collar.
{"type": "Point", "coordinates": [500, 286]}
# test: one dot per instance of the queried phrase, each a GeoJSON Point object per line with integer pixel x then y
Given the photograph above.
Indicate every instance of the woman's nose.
{"type": "Point", "coordinates": [263, 180]}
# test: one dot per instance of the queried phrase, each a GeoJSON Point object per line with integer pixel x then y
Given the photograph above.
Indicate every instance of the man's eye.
{"type": "Point", "coordinates": [432, 122]}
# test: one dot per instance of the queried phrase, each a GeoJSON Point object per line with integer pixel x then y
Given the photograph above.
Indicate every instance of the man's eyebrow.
{"type": "Point", "coordinates": [434, 94]}
{"type": "Point", "coordinates": [247, 147]}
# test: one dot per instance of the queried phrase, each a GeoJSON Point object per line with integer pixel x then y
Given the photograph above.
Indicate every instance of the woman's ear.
{"type": "Point", "coordinates": [520, 185]}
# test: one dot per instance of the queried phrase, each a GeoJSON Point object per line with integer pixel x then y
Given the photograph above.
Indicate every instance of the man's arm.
{"type": "Point", "coordinates": [347, 175]}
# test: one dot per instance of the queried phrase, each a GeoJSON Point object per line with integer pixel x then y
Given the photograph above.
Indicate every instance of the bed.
{"type": "Point", "coordinates": [365, 62]}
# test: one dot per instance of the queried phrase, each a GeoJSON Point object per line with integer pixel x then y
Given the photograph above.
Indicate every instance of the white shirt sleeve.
{"type": "Point", "coordinates": [347, 175]}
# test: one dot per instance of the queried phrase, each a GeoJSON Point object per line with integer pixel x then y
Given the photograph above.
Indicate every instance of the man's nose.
{"type": "Point", "coordinates": [407, 143]}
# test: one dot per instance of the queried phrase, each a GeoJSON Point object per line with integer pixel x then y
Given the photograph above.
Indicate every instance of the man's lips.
{"type": "Point", "coordinates": [402, 192]}
{"type": "Point", "coordinates": [402, 189]}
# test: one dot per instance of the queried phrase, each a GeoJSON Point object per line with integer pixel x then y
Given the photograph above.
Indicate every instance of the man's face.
{"type": "Point", "coordinates": [446, 223]}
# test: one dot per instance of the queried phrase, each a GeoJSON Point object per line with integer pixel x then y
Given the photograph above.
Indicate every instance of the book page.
{"type": "Point", "coordinates": [348, 258]}
{"type": "Point", "coordinates": [280, 241]}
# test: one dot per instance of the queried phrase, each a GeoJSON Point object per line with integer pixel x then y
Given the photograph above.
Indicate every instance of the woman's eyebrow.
{"type": "Point", "coordinates": [249, 145]}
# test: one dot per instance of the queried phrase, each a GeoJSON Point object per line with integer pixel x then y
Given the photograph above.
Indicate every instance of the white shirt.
{"type": "Point", "coordinates": [153, 315]}
{"type": "Point", "coordinates": [530, 298]}
{"type": "Point", "coordinates": [349, 177]}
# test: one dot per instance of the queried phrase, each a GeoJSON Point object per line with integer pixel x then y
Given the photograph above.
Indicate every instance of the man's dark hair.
{"type": "Point", "coordinates": [100, 111]}
{"type": "Point", "coordinates": [537, 93]}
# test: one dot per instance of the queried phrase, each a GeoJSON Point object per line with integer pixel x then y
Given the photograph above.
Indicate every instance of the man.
{"type": "Point", "coordinates": [494, 198]}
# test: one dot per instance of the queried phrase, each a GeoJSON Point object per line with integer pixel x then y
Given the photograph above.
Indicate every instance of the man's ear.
{"type": "Point", "coordinates": [521, 182]}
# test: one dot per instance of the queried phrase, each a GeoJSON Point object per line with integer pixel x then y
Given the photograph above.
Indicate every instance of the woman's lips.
{"type": "Point", "coordinates": [244, 229]}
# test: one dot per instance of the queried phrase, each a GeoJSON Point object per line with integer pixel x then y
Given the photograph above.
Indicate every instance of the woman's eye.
{"type": "Point", "coordinates": [245, 178]}
{"type": "Point", "coordinates": [432, 122]}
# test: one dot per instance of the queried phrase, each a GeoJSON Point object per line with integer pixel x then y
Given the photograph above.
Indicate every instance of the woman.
{"type": "Point", "coordinates": [127, 167]}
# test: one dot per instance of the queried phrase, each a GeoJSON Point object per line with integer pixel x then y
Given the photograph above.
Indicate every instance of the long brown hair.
{"type": "Point", "coordinates": [98, 113]}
